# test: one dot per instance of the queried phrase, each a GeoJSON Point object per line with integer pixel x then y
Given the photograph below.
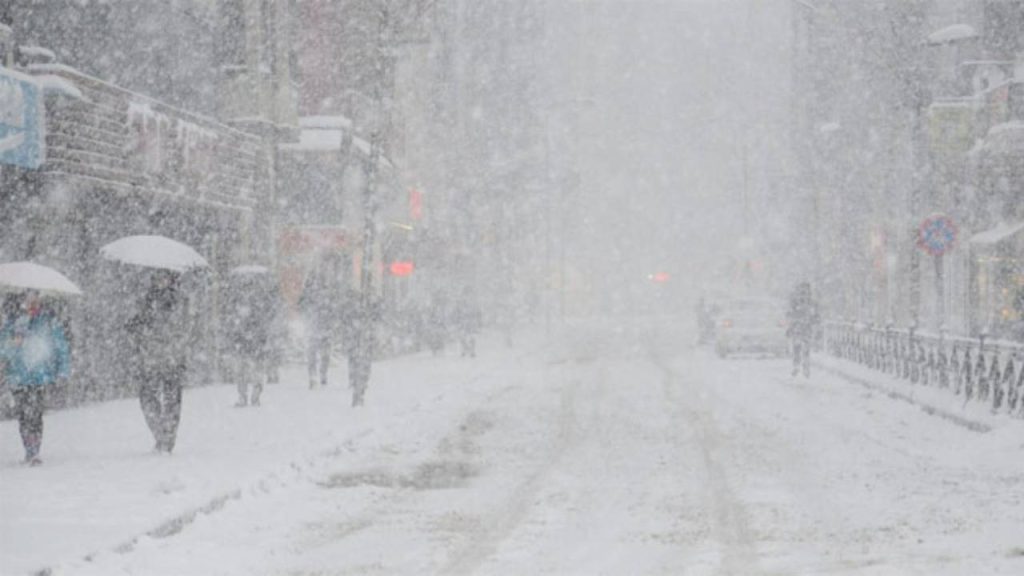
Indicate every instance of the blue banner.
{"type": "Point", "coordinates": [22, 139]}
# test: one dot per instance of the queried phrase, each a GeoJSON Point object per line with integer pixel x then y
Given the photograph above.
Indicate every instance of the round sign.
{"type": "Point", "coordinates": [937, 234]}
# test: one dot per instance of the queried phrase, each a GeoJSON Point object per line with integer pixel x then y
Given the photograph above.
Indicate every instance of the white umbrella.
{"type": "Point", "coordinates": [154, 252]}
{"type": "Point", "coordinates": [32, 276]}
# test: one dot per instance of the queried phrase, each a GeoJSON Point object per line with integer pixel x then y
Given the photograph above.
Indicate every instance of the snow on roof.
{"type": "Point", "coordinates": [335, 122]}
{"type": "Point", "coordinates": [32, 276]}
{"type": "Point", "coordinates": [953, 33]}
{"type": "Point", "coordinates": [250, 269]}
{"type": "Point", "coordinates": [38, 52]}
{"type": "Point", "coordinates": [52, 67]}
{"type": "Point", "coordinates": [1006, 127]}
{"type": "Point", "coordinates": [327, 140]}
{"type": "Point", "coordinates": [59, 85]}
{"type": "Point", "coordinates": [998, 234]}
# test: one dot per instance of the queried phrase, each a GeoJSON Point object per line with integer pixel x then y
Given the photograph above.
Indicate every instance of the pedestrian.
{"type": "Point", "coordinates": [705, 323]}
{"type": "Point", "coordinates": [360, 321]}
{"type": "Point", "coordinates": [467, 322]}
{"type": "Point", "coordinates": [435, 327]}
{"type": "Point", "coordinates": [802, 321]}
{"type": "Point", "coordinates": [248, 335]}
{"type": "Point", "coordinates": [319, 308]}
{"type": "Point", "coordinates": [159, 333]}
{"type": "Point", "coordinates": [34, 354]}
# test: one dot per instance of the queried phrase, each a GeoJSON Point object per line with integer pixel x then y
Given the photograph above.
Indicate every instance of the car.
{"type": "Point", "coordinates": [751, 325]}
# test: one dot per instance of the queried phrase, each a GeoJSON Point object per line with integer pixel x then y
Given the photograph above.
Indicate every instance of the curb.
{"type": "Point", "coordinates": [972, 425]}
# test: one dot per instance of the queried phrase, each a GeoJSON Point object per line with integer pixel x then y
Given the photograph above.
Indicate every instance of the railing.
{"type": "Point", "coordinates": [979, 369]}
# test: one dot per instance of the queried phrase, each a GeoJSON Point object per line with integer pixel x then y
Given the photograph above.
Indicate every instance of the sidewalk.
{"type": "Point", "coordinates": [102, 487]}
{"type": "Point", "coordinates": [940, 402]}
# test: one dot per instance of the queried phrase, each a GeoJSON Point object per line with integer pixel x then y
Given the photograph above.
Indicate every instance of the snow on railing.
{"type": "Point", "coordinates": [980, 369]}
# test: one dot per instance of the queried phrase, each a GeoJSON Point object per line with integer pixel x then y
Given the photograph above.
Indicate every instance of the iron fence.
{"type": "Point", "coordinates": [979, 369]}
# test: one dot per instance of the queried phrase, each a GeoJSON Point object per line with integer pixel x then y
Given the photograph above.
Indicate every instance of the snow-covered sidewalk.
{"type": "Point", "coordinates": [940, 402]}
{"type": "Point", "coordinates": [102, 486]}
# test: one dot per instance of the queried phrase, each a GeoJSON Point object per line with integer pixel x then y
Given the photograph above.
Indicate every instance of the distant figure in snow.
{"type": "Point", "coordinates": [360, 320]}
{"type": "Point", "coordinates": [435, 330]}
{"type": "Point", "coordinates": [159, 332]}
{"type": "Point", "coordinates": [34, 354]}
{"type": "Point", "coordinates": [467, 320]}
{"type": "Point", "coordinates": [705, 322]}
{"type": "Point", "coordinates": [802, 321]}
{"type": "Point", "coordinates": [252, 318]}
{"type": "Point", "coordinates": [319, 309]}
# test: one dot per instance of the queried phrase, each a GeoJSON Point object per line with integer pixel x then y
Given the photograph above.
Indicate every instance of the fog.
{"type": "Point", "coordinates": [511, 286]}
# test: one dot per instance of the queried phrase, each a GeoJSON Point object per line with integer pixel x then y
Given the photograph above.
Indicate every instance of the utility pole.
{"type": "Point", "coordinates": [389, 24]}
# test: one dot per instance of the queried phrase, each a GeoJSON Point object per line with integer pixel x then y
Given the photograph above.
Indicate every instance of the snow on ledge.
{"type": "Point", "coordinates": [954, 33]}
{"type": "Point", "coordinates": [38, 52]}
{"type": "Point", "coordinates": [335, 122]}
{"type": "Point", "coordinates": [58, 85]}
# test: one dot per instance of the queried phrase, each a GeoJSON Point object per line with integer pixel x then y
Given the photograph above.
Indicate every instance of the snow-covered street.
{"type": "Point", "coordinates": [620, 451]}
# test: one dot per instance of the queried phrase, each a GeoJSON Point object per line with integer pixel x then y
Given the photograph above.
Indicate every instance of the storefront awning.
{"type": "Point", "coordinates": [998, 234]}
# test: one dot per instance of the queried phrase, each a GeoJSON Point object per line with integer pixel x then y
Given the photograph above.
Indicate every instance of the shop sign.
{"type": "Point", "coordinates": [22, 134]}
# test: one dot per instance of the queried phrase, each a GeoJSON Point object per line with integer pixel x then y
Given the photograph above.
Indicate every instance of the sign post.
{"type": "Point", "coordinates": [22, 140]}
{"type": "Point", "coordinates": [937, 236]}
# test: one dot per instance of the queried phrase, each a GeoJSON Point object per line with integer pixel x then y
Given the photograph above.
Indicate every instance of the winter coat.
{"type": "Point", "coordinates": [802, 317]}
{"type": "Point", "coordinates": [249, 321]}
{"type": "Point", "coordinates": [34, 351]}
{"type": "Point", "coordinates": [160, 331]}
{"type": "Point", "coordinates": [319, 308]}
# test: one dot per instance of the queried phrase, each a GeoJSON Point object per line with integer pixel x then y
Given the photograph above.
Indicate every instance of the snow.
{"type": "Point", "coordinates": [250, 269]}
{"type": "Point", "coordinates": [995, 235]}
{"type": "Point", "coordinates": [52, 68]}
{"type": "Point", "coordinates": [154, 252]}
{"type": "Point", "coordinates": [334, 122]}
{"type": "Point", "coordinates": [59, 85]}
{"type": "Point", "coordinates": [318, 140]}
{"type": "Point", "coordinates": [603, 450]}
{"type": "Point", "coordinates": [953, 33]}
{"type": "Point", "coordinates": [38, 52]}
{"type": "Point", "coordinates": [28, 275]}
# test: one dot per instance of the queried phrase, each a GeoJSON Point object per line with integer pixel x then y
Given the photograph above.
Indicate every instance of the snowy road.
{"type": "Point", "coordinates": [626, 453]}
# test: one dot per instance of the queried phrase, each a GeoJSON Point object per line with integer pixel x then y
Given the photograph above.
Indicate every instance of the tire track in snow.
{"type": "Point", "coordinates": [499, 526]}
{"type": "Point", "coordinates": [730, 526]}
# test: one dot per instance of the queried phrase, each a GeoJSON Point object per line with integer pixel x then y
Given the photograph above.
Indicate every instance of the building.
{"type": "Point", "coordinates": [138, 140]}
{"type": "Point", "coordinates": [904, 110]}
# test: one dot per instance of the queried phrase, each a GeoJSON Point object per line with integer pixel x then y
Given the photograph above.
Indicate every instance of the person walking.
{"type": "Point", "coordinates": [248, 335]}
{"type": "Point", "coordinates": [468, 320]}
{"type": "Point", "coordinates": [34, 354]}
{"type": "Point", "coordinates": [159, 332]}
{"type": "Point", "coordinates": [319, 310]}
{"type": "Point", "coordinates": [802, 321]}
{"type": "Point", "coordinates": [360, 321]}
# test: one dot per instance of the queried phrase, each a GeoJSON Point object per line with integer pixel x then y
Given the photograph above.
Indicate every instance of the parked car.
{"type": "Point", "coordinates": [751, 325]}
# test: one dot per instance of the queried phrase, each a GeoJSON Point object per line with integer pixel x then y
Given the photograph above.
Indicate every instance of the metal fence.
{"type": "Point", "coordinates": [980, 369]}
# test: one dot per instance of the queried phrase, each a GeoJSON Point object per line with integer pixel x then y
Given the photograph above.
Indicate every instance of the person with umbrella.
{"type": "Point", "coordinates": [34, 354]}
{"type": "Point", "coordinates": [159, 331]}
